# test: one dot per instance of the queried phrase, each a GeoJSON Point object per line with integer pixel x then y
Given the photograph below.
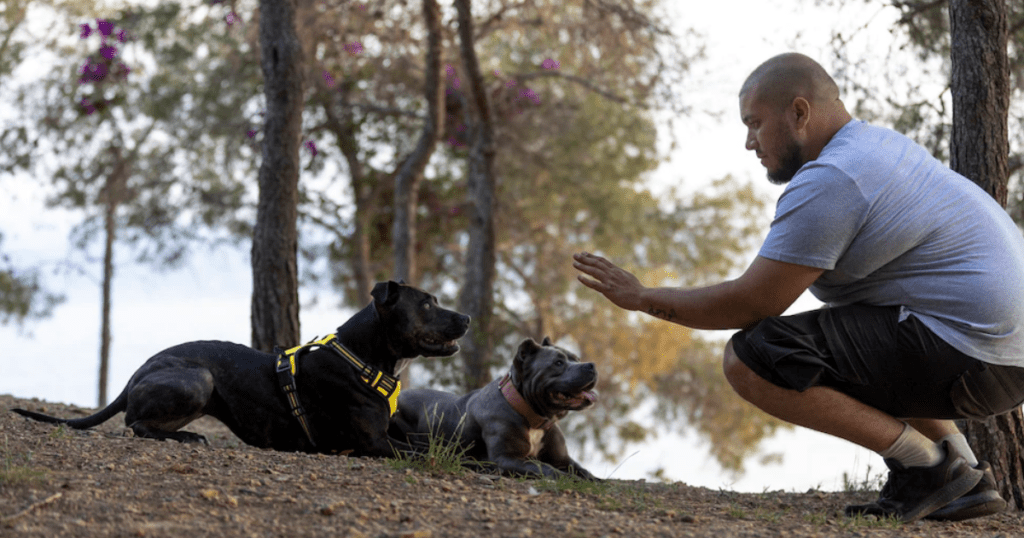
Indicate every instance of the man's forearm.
{"type": "Point", "coordinates": [712, 307]}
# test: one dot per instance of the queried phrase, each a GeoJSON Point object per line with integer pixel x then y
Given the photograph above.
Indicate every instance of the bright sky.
{"type": "Point", "coordinates": [57, 361]}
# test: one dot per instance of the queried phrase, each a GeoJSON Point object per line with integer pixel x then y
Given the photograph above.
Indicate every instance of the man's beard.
{"type": "Point", "coordinates": [791, 163]}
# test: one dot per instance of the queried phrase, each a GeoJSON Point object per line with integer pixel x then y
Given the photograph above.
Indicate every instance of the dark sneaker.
{"type": "Point", "coordinates": [914, 492]}
{"type": "Point", "coordinates": [983, 500]}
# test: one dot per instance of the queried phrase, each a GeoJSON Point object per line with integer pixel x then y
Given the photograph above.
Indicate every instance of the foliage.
{"type": "Point", "coordinates": [113, 105]}
{"type": "Point", "coordinates": [22, 296]}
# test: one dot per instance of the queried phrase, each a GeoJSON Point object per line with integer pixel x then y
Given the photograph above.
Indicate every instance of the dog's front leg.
{"type": "Point", "coordinates": [555, 454]}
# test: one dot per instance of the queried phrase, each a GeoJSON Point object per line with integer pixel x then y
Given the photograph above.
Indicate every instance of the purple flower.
{"type": "Point", "coordinates": [449, 69]}
{"type": "Point", "coordinates": [312, 147]}
{"type": "Point", "coordinates": [230, 18]}
{"type": "Point", "coordinates": [86, 31]}
{"type": "Point", "coordinates": [122, 36]}
{"type": "Point", "coordinates": [354, 47]}
{"type": "Point", "coordinates": [328, 79]}
{"type": "Point", "coordinates": [89, 109]}
{"type": "Point", "coordinates": [106, 27]}
{"type": "Point", "coordinates": [550, 64]}
{"type": "Point", "coordinates": [529, 94]}
{"type": "Point", "coordinates": [92, 71]}
{"type": "Point", "coordinates": [251, 133]}
{"type": "Point", "coordinates": [108, 52]}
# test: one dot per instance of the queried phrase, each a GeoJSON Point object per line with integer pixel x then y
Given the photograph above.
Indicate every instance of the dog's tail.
{"type": "Point", "coordinates": [99, 417]}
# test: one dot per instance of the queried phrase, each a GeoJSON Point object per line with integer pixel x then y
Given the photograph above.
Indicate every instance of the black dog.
{"type": "Point", "coordinates": [323, 397]}
{"type": "Point", "coordinates": [512, 422]}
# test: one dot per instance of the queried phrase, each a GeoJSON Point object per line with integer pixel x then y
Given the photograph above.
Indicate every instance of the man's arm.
{"type": "Point", "coordinates": [767, 288]}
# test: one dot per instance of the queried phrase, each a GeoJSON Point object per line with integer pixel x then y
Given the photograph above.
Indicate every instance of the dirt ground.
{"type": "Point", "coordinates": [61, 482]}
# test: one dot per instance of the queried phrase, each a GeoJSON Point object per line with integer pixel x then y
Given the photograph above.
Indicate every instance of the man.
{"type": "Point", "coordinates": [923, 276]}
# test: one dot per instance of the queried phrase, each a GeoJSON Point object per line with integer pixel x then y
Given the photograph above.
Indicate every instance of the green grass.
{"type": "Point", "coordinates": [869, 484]}
{"type": "Point", "coordinates": [442, 456]}
{"type": "Point", "coordinates": [14, 469]}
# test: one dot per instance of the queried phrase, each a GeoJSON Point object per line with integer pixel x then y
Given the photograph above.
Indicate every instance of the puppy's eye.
{"type": "Point", "coordinates": [427, 306]}
{"type": "Point", "coordinates": [559, 362]}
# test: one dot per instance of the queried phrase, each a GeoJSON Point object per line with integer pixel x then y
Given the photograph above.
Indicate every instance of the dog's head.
{"type": "Point", "coordinates": [552, 379]}
{"type": "Point", "coordinates": [418, 325]}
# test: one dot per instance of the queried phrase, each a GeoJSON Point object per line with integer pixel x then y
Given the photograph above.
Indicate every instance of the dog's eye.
{"type": "Point", "coordinates": [426, 306]}
{"type": "Point", "coordinates": [559, 362]}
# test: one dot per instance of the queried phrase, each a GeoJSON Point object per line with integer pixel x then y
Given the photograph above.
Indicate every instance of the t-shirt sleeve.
{"type": "Point", "coordinates": [816, 218]}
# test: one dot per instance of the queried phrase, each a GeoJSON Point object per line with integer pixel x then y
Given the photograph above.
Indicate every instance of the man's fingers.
{"type": "Point", "coordinates": [590, 283]}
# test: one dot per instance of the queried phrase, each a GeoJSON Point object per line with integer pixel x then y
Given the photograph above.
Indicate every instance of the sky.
{"type": "Point", "coordinates": [57, 359]}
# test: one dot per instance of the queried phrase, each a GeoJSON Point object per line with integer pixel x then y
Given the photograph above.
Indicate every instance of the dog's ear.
{"type": "Point", "coordinates": [527, 348]}
{"type": "Point", "coordinates": [385, 293]}
{"type": "Point", "coordinates": [546, 342]}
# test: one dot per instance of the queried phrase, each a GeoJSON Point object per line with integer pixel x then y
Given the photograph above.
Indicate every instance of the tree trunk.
{"type": "Point", "coordinates": [343, 125]}
{"type": "Point", "coordinates": [409, 175]}
{"type": "Point", "coordinates": [111, 196]}
{"type": "Point", "coordinates": [275, 296]}
{"type": "Point", "coordinates": [110, 231]}
{"type": "Point", "coordinates": [477, 297]}
{"type": "Point", "coordinates": [979, 149]}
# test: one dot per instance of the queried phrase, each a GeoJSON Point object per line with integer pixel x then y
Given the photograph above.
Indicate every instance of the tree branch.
{"type": "Point", "coordinates": [916, 9]}
{"type": "Point", "coordinates": [578, 80]}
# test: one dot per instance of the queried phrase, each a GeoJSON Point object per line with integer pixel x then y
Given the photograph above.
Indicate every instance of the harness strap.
{"type": "Point", "coordinates": [285, 367]}
{"type": "Point", "coordinates": [382, 384]}
{"type": "Point", "coordinates": [516, 400]}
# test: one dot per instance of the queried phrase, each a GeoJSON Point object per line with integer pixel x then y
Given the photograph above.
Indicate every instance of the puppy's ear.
{"type": "Point", "coordinates": [546, 342]}
{"type": "Point", "coordinates": [385, 293]}
{"type": "Point", "coordinates": [527, 349]}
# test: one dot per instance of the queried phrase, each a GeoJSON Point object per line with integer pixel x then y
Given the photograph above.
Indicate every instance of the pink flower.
{"type": "Point", "coordinates": [550, 64]}
{"type": "Point", "coordinates": [230, 18]}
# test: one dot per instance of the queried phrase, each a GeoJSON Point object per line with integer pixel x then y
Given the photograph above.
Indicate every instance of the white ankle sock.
{"type": "Point", "coordinates": [958, 443]}
{"type": "Point", "coordinates": [912, 449]}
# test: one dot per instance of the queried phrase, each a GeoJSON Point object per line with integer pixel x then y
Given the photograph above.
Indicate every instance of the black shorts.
{"type": "Point", "coordinates": [901, 368]}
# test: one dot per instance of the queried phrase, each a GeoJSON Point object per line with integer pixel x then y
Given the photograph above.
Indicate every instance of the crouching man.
{"type": "Point", "coordinates": [922, 274]}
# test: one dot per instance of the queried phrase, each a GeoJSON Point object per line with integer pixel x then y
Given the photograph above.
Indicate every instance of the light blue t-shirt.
{"type": "Point", "coordinates": [891, 225]}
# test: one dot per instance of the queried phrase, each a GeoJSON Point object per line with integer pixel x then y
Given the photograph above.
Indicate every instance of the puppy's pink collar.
{"type": "Point", "coordinates": [516, 400]}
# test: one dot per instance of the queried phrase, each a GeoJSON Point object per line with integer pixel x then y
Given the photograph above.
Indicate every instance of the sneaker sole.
{"type": "Point", "coordinates": [950, 492]}
{"type": "Point", "coordinates": [972, 506]}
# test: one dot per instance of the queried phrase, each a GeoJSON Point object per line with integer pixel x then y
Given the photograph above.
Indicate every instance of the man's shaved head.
{"type": "Point", "coordinates": [787, 76]}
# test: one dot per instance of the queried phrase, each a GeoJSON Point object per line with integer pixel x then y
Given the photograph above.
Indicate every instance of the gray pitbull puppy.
{"type": "Point", "coordinates": [511, 423]}
{"type": "Point", "coordinates": [345, 408]}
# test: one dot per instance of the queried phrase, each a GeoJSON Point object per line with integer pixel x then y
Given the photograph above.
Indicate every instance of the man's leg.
{"type": "Point", "coordinates": [829, 411]}
{"type": "Point", "coordinates": [819, 408]}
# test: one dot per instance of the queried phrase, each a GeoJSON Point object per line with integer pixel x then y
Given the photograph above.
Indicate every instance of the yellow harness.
{"type": "Point", "coordinates": [382, 384]}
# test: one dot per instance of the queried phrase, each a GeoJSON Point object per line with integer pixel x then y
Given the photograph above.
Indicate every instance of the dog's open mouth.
{"type": "Point", "coordinates": [575, 401]}
{"type": "Point", "coordinates": [437, 346]}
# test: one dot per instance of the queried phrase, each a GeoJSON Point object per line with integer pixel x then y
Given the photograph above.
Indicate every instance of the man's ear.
{"type": "Point", "coordinates": [800, 114]}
